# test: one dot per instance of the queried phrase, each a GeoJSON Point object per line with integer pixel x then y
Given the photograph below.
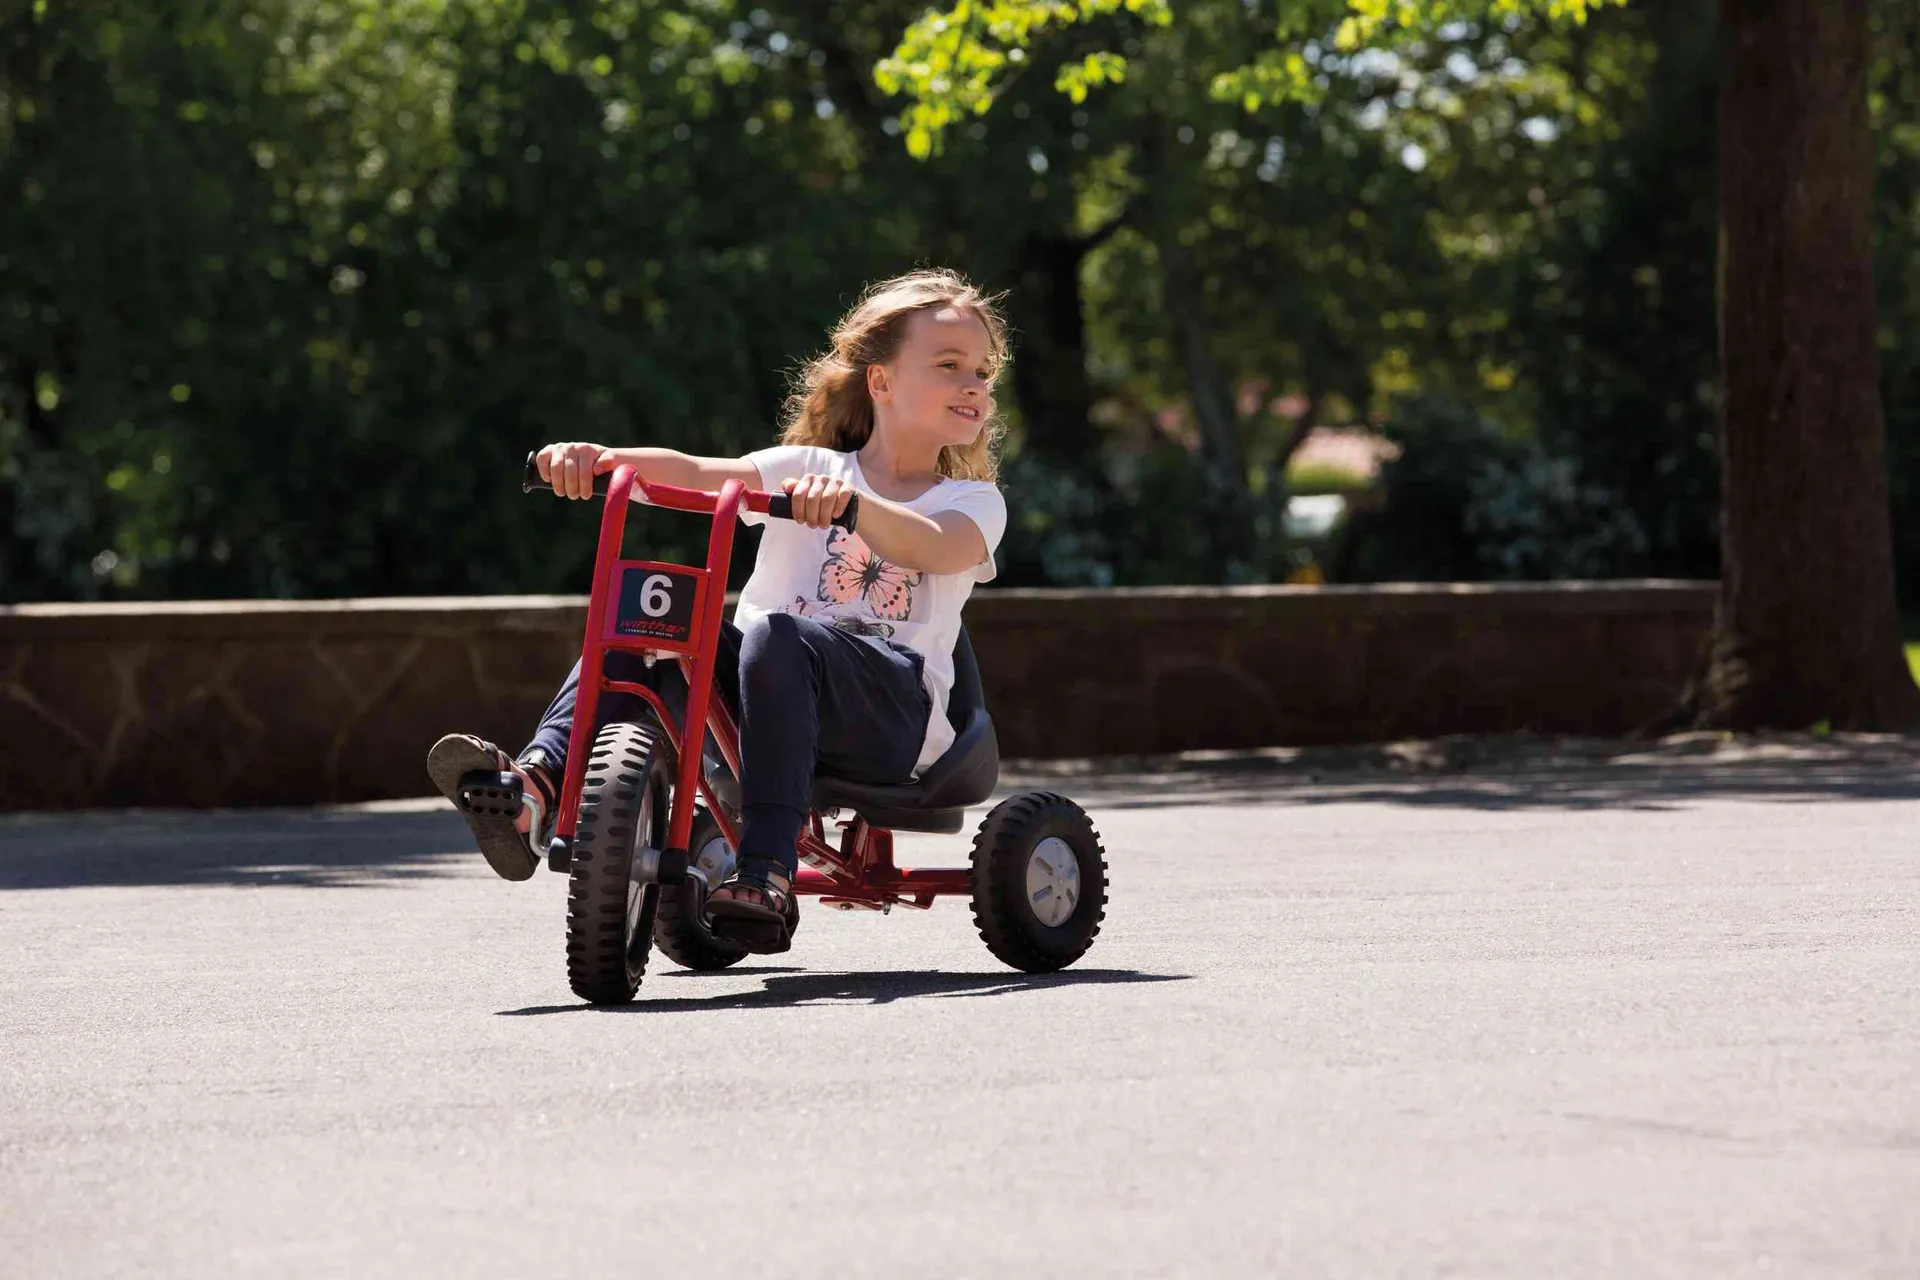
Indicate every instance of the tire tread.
{"type": "Point", "coordinates": [602, 850]}
{"type": "Point", "coordinates": [999, 879]}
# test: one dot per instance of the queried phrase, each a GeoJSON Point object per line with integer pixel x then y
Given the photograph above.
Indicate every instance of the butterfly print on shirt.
{"type": "Point", "coordinates": [854, 576]}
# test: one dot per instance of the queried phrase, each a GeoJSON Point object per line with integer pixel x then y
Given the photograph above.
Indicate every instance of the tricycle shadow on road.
{"type": "Point", "coordinates": [786, 988]}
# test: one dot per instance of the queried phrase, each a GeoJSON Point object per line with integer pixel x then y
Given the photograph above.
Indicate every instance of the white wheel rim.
{"type": "Point", "coordinates": [1053, 881]}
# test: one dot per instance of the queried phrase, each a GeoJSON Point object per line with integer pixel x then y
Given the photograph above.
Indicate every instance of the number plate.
{"type": "Point", "coordinates": [659, 603]}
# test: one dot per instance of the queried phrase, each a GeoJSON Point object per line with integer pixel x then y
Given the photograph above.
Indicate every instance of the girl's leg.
{"type": "Point", "coordinates": [505, 834]}
{"type": "Point", "coordinates": [815, 697]}
{"type": "Point", "coordinates": [542, 763]}
{"type": "Point", "coordinates": [547, 751]}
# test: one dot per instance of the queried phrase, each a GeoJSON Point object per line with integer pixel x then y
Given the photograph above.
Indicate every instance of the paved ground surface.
{"type": "Point", "coordinates": [1563, 1012]}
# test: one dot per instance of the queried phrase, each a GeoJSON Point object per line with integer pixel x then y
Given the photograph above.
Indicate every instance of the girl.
{"type": "Point", "coordinates": [840, 656]}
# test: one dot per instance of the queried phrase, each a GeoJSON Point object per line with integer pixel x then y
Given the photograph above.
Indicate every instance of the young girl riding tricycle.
{"type": "Point", "coordinates": [839, 671]}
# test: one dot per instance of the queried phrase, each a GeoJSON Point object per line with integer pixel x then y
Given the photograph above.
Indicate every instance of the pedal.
{"type": "Point", "coordinates": [762, 938]}
{"type": "Point", "coordinates": [490, 793]}
{"type": "Point", "coordinates": [560, 855]}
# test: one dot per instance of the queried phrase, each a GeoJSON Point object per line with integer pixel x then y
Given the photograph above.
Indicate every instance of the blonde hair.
{"type": "Point", "coordinates": [830, 406]}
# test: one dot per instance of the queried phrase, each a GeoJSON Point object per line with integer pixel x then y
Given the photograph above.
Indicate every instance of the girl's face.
{"type": "Point", "coordinates": [940, 383]}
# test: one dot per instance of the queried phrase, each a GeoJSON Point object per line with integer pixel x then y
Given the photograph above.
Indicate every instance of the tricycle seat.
{"type": "Point", "coordinates": [965, 774]}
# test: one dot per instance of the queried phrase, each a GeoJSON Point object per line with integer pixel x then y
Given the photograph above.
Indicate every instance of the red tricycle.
{"type": "Point", "coordinates": [641, 856]}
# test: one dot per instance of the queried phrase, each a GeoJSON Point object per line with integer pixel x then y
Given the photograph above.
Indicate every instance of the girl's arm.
{"type": "Point", "coordinates": [570, 468]}
{"type": "Point", "coordinates": [947, 542]}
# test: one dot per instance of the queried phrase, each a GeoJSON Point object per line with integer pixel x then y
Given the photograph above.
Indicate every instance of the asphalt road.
{"type": "Point", "coordinates": [1654, 1018]}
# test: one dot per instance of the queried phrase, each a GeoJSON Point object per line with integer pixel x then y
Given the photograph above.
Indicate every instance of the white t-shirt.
{"type": "Point", "coordinates": [833, 576]}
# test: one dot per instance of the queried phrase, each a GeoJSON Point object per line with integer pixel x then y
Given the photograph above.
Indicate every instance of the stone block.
{"type": "Point", "coordinates": [381, 751]}
{"type": "Point", "coordinates": [40, 768]}
{"type": "Point", "coordinates": [86, 687]}
{"type": "Point", "coordinates": [189, 754]}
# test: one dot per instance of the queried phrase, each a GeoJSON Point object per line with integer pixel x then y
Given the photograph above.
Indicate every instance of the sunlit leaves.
{"type": "Point", "coordinates": [1076, 79]}
{"type": "Point", "coordinates": [951, 64]}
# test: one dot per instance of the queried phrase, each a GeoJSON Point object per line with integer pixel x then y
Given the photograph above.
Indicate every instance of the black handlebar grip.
{"type": "Point", "coordinates": [531, 480]}
{"type": "Point", "coordinates": [780, 507]}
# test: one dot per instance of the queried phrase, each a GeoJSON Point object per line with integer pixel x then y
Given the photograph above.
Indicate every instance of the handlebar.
{"type": "Point", "coordinates": [777, 505]}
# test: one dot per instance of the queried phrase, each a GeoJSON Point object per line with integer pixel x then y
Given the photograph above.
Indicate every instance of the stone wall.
{"type": "Point", "coordinates": [280, 702]}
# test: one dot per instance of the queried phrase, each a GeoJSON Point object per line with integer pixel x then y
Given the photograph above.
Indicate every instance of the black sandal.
{"type": "Point", "coordinates": [478, 777]}
{"type": "Point", "coordinates": [753, 909]}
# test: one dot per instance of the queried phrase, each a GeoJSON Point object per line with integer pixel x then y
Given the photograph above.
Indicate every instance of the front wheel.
{"type": "Point", "coordinates": [611, 898]}
{"type": "Point", "coordinates": [1039, 882]}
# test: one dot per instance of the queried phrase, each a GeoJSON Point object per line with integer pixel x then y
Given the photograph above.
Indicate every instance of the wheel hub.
{"type": "Point", "coordinates": [713, 862]}
{"type": "Point", "coordinates": [1053, 881]}
{"type": "Point", "coordinates": [638, 871]}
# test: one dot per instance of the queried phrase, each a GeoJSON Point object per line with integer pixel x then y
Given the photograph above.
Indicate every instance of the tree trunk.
{"type": "Point", "coordinates": [1806, 629]}
{"type": "Point", "coordinates": [1211, 397]}
{"type": "Point", "coordinates": [1050, 370]}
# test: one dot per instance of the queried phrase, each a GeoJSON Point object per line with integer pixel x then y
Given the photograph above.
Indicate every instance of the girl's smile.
{"type": "Point", "coordinates": [939, 384]}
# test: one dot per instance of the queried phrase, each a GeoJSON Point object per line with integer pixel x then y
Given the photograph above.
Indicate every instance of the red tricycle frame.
{"type": "Point", "coordinates": [860, 871]}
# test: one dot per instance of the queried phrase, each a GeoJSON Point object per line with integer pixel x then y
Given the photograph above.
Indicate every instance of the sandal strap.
{"type": "Point", "coordinates": [778, 886]}
{"type": "Point", "coordinates": [775, 886]}
{"type": "Point", "coordinates": [539, 771]}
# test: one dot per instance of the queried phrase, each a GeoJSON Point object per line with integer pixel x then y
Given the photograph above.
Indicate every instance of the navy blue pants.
{"type": "Point", "coordinates": [806, 696]}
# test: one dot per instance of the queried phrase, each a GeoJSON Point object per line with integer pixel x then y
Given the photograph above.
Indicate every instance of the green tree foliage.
{"type": "Point", "coordinates": [1592, 246]}
{"type": "Point", "coordinates": [1362, 228]}
{"type": "Point", "coordinates": [1612, 344]}
{"type": "Point", "coordinates": [288, 287]}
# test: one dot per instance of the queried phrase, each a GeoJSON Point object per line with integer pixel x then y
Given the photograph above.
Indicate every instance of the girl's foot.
{"type": "Point", "coordinates": [753, 908]}
{"type": "Point", "coordinates": [508, 814]}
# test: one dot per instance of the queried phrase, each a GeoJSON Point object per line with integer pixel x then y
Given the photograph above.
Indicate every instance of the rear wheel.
{"type": "Point", "coordinates": [611, 897]}
{"type": "Point", "coordinates": [1039, 881]}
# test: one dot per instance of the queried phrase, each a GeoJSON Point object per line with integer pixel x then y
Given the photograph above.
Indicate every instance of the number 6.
{"type": "Point", "coordinates": [655, 598]}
